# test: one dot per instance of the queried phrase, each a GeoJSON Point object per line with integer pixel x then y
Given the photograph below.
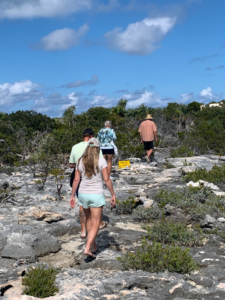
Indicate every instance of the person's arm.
{"type": "Point", "coordinates": [109, 185]}
{"type": "Point", "coordinates": [72, 160]}
{"type": "Point", "coordinates": [99, 135]}
{"type": "Point", "coordinates": [114, 135]}
{"type": "Point", "coordinates": [155, 135]}
{"type": "Point", "coordinates": [155, 132]}
{"type": "Point", "coordinates": [74, 188]}
{"type": "Point", "coordinates": [140, 133]}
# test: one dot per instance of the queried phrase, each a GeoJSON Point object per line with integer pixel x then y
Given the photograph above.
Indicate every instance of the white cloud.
{"type": "Point", "coordinates": [137, 98]}
{"type": "Point", "coordinates": [25, 9]}
{"type": "Point", "coordinates": [93, 81]}
{"type": "Point", "coordinates": [63, 39]}
{"type": "Point", "coordinates": [41, 105]}
{"type": "Point", "coordinates": [186, 98]}
{"type": "Point", "coordinates": [140, 38]}
{"type": "Point", "coordinates": [104, 100]}
{"type": "Point", "coordinates": [18, 92]}
{"type": "Point", "coordinates": [207, 93]}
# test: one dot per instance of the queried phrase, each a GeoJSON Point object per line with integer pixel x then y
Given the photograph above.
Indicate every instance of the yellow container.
{"type": "Point", "coordinates": [123, 164]}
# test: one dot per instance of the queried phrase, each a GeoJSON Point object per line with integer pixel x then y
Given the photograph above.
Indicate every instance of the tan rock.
{"type": "Point", "coordinates": [148, 203]}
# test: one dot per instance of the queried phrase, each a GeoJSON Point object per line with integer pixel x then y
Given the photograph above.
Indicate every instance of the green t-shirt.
{"type": "Point", "coordinates": [78, 151]}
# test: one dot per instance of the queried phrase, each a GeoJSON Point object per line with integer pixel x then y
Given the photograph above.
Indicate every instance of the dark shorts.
{"type": "Point", "coordinates": [107, 151]}
{"type": "Point", "coordinates": [149, 145]}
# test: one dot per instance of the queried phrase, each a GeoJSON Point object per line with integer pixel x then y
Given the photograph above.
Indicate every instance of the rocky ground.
{"type": "Point", "coordinates": [36, 227]}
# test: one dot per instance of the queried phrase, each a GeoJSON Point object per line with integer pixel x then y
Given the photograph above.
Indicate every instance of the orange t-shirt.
{"type": "Point", "coordinates": [147, 129]}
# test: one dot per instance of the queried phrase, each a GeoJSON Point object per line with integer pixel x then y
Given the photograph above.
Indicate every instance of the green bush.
{"type": "Point", "coordinates": [146, 214]}
{"type": "Point", "coordinates": [182, 151]}
{"type": "Point", "coordinates": [168, 165]}
{"type": "Point", "coordinates": [176, 234]}
{"type": "Point", "coordinates": [197, 202]}
{"type": "Point", "coordinates": [125, 207]}
{"type": "Point", "coordinates": [40, 282]}
{"type": "Point", "coordinates": [216, 175]}
{"type": "Point", "coordinates": [156, 258]}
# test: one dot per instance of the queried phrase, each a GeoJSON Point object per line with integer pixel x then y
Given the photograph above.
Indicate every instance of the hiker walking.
{"type": "Point", "coordinates": [148, 133]}
{"type": "Point", "coordinates": [107, 137]}
{"type": "Point", "coordinates": [91, 169]}
{"type": "Point", "coordinates": [76, 153]}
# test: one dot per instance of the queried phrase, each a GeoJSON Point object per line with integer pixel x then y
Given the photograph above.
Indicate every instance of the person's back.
{"type": "Point", "coordinates": [148, 132]}
{"type": "Point", "coordinates": [93, 185]}
{"type": "Point", "coordinates": [107, 136]}
{"type": "Point", "coordinates": [90, 169]}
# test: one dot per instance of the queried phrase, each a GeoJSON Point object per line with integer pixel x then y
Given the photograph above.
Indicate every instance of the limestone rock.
{"type": "Point", "coordinates": [148, 203]}
{"type": "Point", "coordinates": [208, 221]}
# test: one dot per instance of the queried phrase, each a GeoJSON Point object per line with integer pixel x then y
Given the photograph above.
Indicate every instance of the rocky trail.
{"type": "Point", "coordinates": [36, 227]}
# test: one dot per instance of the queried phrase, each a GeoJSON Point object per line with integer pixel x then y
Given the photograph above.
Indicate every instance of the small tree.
{"type": "Point", "coordinates": [69, 115]}
{"type": "Point", "coordinates": [58, 174]}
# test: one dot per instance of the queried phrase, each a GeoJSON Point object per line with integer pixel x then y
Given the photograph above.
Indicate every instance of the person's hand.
{"type": "Point", "coordinates": [141, 141]}
{"type": "Point", "coordinates": [113, 200]}
{"type": "Point", "coordinates": [72, 202]}
{"type": "Point", "coordinates": [156, 139]}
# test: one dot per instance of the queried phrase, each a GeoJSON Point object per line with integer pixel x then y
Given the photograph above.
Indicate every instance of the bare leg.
{"type": "Point", "coordinates": [82, 222]}
{"type": "Point", "coordinates": [109, 162]}
{"type": "Point", "coordinates": [149, 152]}
{"type": "Point", "coordinates": [93, 221]}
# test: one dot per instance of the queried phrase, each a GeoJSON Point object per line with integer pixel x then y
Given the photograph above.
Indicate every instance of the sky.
{"type": "Point", "coordinates": [88, 53]}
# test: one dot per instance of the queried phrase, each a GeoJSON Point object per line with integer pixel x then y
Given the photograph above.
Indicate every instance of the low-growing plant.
{"type": "Point", "coordinates": [216, 175]}
{"type": "Point", "coordinates": [182, 151]}
{"type": "Point", "coordinates": [197, 202]}
{"type": "Point", "coordinates": [157, 258]}
{"type": "Point", "coordinates": [40, 282]}
{"type": "Point", "coordinates": [168, 164]}
{"type": "Point", "coordinates": [125, 207]}
{"type": "Point", "coordinates": [186, 164]}
{"type": "Point", "coordinates": [176, 234]}
{"type": "Point", "coordinates": [146, 214]}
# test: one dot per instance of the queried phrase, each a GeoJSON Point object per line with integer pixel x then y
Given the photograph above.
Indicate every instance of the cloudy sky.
{"type": "Point", "coordinates": [86, 53]}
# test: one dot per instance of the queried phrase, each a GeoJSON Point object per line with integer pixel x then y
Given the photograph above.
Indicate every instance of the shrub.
{"type": "Point", "coordinates": [176, 234]}
{"type": "Point", "coordinates": [125, 207]}
{"type": "Point", "coordinates": [168, 165]}
{"type": "Point", "coordinates": [183, 151]}
{"type": "Point", "coordinates": [197, 202]}
{"type": "Point", "coordinates": [146, 214]}
{"type": "Point", "coordinates": [216, 175]}
{"type": "Point", "coordinates": [156, 258]}
{"type": "Point", "coordinates": [40, 282]}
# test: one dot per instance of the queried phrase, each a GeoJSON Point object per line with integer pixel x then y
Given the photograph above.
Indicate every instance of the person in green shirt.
{"type": "Point", "coordinates": [76, 153]}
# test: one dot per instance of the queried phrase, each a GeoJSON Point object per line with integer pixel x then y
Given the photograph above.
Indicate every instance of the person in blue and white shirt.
{"type": "Point", "coordinates": [107, 137]}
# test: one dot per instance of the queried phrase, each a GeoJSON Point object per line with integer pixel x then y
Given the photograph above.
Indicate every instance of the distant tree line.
{"type": "Point", "coordinates": [184, 128]}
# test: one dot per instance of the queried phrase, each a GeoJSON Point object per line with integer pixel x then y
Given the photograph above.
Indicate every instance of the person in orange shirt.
{"type": "Point", "coordinates": [148, 133]}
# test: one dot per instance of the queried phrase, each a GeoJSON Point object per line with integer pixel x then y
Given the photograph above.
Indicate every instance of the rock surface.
{"type": "Point", "coordinates": [39, 228]}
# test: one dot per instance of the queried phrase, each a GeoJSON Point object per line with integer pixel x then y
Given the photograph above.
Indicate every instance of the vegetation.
{"type": "Point", "coordinates": [40, 282]}
{"type": "Point", "coordinates": [216, 175]}
{"type": "Point", "coordinates": [157, 258]}
{"type": "Point", "coordinates": [176, 234]}
{"type": "Point", "coordinates": [146, 214]}
{"type": "Point", "coordinates": [197, 202]}
{"type": "Point", "coordinates": [168, 165]}
{"type": "Point", "coordinates": [125, 207]}
{"type": "Point", "coordinates": [182, 151]}
{"type": "Point", "coordinates": [184, 128]}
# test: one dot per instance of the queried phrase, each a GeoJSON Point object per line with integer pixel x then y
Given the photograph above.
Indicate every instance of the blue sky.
{"type": "Point", "coordinates": [87, 53]}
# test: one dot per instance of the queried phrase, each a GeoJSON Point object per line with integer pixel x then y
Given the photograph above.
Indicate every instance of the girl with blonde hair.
{"type": "Point", "coordinates": [92, 170]}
